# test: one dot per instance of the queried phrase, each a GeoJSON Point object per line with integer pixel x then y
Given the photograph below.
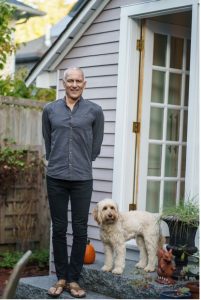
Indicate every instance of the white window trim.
{"type": "Point", "coordinates": [126, 111]}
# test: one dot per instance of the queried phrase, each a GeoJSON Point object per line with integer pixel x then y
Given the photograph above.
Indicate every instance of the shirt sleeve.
{"type": "Point", "coordinates": [46, 130]}
{"type": "Point", "coordinates": [98, 132]}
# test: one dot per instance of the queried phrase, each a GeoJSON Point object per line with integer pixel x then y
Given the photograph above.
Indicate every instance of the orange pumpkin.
{"type": "Point", "coordinates": [90, 253]}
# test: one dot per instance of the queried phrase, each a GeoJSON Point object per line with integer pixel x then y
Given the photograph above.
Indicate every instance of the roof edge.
{"type": "Point", "coordinates": [75, 28]}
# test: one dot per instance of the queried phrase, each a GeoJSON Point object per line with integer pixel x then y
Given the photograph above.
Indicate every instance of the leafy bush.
{"type": "Point", "coordinates": [6, 43]}
{"type": "Point", "coordinates": [16, 87]}
{"type": "Point", "coordinates": [9, 259]}
{"type": "Point", "coordinates": [38, 258]}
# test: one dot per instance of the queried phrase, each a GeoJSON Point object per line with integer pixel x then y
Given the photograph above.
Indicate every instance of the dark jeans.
{"type": "Point", "coordinates": [59, 193]}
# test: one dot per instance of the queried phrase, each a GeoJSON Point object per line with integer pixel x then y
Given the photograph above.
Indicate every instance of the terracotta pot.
{"type": "Point", "coordinates": [194, 289]}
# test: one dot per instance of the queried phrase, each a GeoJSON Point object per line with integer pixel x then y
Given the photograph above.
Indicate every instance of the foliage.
{"type": "Point", "coordinates": [17, 88]}
{"type": "Point", "coordinates": [9, 259]}
{"type": "Point", "coordinates": [186, 211]}
{"type": "Point", "coordinates": [11, 163]}
{"type": "Point", "coordinates": [182, 291]}
{"type": "Point", "coordinates": [38, 257]}
{"type": "Point", "coordinates": [6, 43]}
{"type": "Point", "coordinates": [35, 27]}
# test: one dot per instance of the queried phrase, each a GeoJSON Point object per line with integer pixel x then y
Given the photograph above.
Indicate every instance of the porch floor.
{"type": "Point", "coordinates": [132, 284]}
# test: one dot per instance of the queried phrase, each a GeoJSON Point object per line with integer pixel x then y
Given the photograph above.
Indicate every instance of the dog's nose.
{"type": "Point", "coordinates": [110, 215]}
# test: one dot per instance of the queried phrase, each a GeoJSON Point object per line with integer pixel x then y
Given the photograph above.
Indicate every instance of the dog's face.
{"type": "Point", "coordinates": [106, 212]}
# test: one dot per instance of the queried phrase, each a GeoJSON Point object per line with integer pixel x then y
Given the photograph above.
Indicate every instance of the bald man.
{"type": "Point", "coordinates": [73, 132]}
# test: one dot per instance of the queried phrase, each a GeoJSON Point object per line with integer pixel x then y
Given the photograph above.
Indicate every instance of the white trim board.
{"type": "Point", "coordinates": [122, 191]}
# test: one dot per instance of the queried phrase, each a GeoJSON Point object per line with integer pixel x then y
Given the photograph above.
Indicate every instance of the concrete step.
{"type": "Point", "coordinates": [132, 284]}
{"type": "Point", "coordinates": [37, 287]}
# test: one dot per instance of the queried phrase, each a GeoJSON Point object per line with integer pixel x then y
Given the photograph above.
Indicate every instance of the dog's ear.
{"type": "Point", "coordinates": [95, 215]}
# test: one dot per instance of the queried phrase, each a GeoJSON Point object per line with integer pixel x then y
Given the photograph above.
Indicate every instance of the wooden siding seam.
{"type": "Point", "coordinates": [109, 31]}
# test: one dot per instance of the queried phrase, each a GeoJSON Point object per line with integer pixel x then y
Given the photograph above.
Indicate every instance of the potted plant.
{"type": "Point", "coordinates": [183, 221]}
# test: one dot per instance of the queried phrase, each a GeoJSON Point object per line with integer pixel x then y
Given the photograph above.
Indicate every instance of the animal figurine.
{"type": "Point", "coordinates": [166, 267]}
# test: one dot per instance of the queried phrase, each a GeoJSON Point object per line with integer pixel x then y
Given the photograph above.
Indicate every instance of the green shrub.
{"type": "Point", "coordinates": [16, 87]}
{"type": "Point", "coordinates": [9, 259]}
{"type": "Point", "coordinates": [38, 258]}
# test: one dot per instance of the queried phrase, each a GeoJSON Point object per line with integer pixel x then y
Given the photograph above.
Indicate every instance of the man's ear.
{"type": "Point", "coordinates": [64, 83]}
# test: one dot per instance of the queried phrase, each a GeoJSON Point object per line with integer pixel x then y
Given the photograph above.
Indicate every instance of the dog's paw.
{"type": "Point", "coordinates": [117, 270]}
{"type": "Point", "coordinates": [106, 268]}
{"type": "Point", "coordinates": [149, 269]}
{"type": "Point", "coordinates": [140, 265]}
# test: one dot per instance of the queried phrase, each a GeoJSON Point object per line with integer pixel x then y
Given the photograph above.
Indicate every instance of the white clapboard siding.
{"type": "Point", "coordinates": [109, 127]}
{"type": "Point", "coordinates": [98, 196]}
{"type": "Point", "coordinates": [100, 38]}
{"type": "Point", "coordinates": [107, 151]}
{"type": "Point", "coordinates": [96, 28]}
{"type": "Point", "coordinates": [95, 60]}
{"type": "Point", "coordinates": [101, 174]}
{"type": "Point", "coordinates": [108, 15]}
{"type": "Point", "coordinates": [110, 115]}
{"type": "Point", "coordinates": [102, 93]}
{"type": "Point", "coordinates": [96, 243]}
{"type": "Point", "coordinates": [108, 139]}
{"type": "Point", "coordinates": [106, 104]}
{"type": "Point", "coordinates": [109, 47]}
{"type": "Point", "coordinates": [118, 3]}
{"type": "Point", "coordinates": [91, 71]}
{"type": "Point", "coordinates": [103, 163]}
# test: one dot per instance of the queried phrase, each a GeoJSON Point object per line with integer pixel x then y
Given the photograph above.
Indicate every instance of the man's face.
{"type": "Point", "coordinates": [74, 84]}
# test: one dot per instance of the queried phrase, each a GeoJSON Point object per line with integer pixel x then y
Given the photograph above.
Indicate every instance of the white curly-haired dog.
{"type": "Point", "coordinates": [116, 228]}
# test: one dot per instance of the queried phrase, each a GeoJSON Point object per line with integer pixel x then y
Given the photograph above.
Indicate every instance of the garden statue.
{"type": "Point", "coordinates": [166, 267]}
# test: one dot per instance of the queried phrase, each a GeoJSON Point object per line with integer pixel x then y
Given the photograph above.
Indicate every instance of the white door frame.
{"type": "Point", "coordinates": [127, 93]}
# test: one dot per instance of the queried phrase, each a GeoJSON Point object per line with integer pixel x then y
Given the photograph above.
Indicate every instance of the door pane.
{"type": "Point", "coordinates": [176, 52]}
{"type": "Point", "coordinates": [153, 195]}
{"type": "Point", "coordinates": [183, 162]}
{"type": "Point", "coordinates": [171, 160]}
{"type": "Point", "coordinates": [173, 120]}
{"type": "Point", "coordinates": [170, 188]}
{"type": "Point", "coordinates": [186, 90]}
{"type": "Point", "coordinates": [185, 125]}
{"type": "Point", "coordinates": [158, 86]}
{"type": "Point", "coordinates": [160, 46]}
{"type": "Point", "coordinates": [156, 123]}
{"type": "Point", "coordinates": [174, 89]}
{"type": "Point", "coordinates": [188, 55]}
{"type": "Point", "coordinates": [154, 160]}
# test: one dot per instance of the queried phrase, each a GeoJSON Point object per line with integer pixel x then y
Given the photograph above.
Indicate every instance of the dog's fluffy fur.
{"type": "Point", "coordinates": [116, 228]}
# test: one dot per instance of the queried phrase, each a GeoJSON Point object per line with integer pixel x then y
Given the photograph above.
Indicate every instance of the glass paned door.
{"type": "Point", "coordinates": [165, 112]}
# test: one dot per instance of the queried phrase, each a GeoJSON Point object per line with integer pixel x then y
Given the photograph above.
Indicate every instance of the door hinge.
{"type": "Point", "coordinates": [140, 45]}
{"type": "Point", "coordinates": [136, 127]}
{"type": "Point", "coordinates": [132, 206]}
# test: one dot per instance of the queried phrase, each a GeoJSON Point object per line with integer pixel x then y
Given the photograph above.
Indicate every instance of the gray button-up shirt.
{"type": "Point", "coordinates": [72, 138]}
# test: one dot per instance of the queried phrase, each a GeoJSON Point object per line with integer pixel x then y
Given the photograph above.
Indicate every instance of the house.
{"type": "Point", "coordinates": [141, 64]}
{"type": "Point", "coordinates": [22, 12]}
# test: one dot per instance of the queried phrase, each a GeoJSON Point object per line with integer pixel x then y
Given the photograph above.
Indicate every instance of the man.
{"type": "Point", "coordinates": [73, 133]}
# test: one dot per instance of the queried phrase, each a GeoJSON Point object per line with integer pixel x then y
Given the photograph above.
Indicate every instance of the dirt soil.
{"type": "Point", "coordinates": [27, 272]}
